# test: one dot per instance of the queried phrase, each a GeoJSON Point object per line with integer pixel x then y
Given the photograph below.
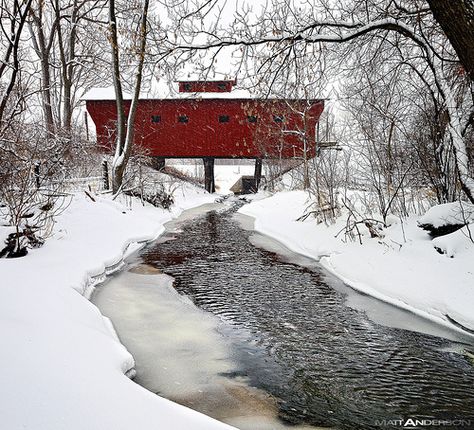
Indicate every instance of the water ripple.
{"type": "Point", "coordinates": [294, 336]}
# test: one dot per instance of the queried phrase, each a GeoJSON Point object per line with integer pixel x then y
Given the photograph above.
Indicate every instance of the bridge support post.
{"type": "Point", "coordinates": [158, 163]}
{"type": "Point", "coordinates": [209, 174]}
{"type": "Point", "coordinates": [257, 176]}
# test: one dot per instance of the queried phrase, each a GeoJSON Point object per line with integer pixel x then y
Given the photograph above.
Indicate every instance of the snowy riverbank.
{"type": "Point", "coordinates": [403, 268]}
{"type": "Point", "coordinates": [62, 365]}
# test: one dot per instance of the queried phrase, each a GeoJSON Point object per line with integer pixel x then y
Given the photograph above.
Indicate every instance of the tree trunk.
{"type": "Point", "coordinates": [10, 58]}
{"type": "Point", "coordinates": [68, 62]}
{"type": "Point", "coordinates": [46, 92]}
{"type": "Point", "coordinates": [42, 46]}
{"type": "Point", "coordinates": [117, 171]}
{"type": "Point", "coordinates": [456, 18]}
{"type": "Point", "coordinates": [125, 132]}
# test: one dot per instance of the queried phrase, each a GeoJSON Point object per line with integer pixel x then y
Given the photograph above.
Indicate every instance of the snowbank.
{"type": "Point", "coordinates": [403, 268]}
{"type": "Point", "coordinates": [444, 219]}
{"type": "Point", "coordinates": [62, 364]}
{"type": "Point", "coordinates": [456, 244]}
{"type": "Point", "coordinates": [448, 214]}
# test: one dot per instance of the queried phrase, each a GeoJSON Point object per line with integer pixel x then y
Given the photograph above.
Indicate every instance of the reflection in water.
{"type": "Point", "coordinates": [293, 336]}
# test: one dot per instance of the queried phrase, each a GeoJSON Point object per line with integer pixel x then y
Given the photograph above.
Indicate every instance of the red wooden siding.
{"type": "Point", "coordinates": [205, 134]}
{"type": "Point", "coordinates": [206, 86]}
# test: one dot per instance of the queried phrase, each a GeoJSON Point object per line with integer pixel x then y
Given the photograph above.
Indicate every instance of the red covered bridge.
{"type": "Point", "coordinates": [206, 120]}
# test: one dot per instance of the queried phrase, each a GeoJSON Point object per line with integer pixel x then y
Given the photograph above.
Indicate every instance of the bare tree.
{"type": "Point", "coordinates": [79, 53]}
{"type": "Point", "coordinates": [42, 37]}
{"type": "Point", "coordinates": [62, 36]}
{"type": "Point", "coordinates": [29, 190]}
{"type": "Point", "coordinates": [13, 16]}
{"type": "Point", "coordinates": [457, 20]}
{"type": "Point", "coordinates": [125, 122]}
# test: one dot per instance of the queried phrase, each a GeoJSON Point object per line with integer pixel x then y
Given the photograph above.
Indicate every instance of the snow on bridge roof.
{"type": "Point", "coordinates": [108, 93]}
{"type": "Point", "coordinates": [164, 92]}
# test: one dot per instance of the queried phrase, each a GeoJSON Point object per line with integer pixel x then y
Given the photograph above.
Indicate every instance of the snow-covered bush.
{"type": "Point", "coordinates": [447, 218]}
{"type": "Point", "coordinates": [158, 195]}
{"type": "Point", "coordinates": [30, 182]}
{"type": "Point", "coordinates": [143, 181]}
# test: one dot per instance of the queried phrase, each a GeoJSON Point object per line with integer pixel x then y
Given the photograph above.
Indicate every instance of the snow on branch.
{"type": "Point", "coordinates": [357, 30]}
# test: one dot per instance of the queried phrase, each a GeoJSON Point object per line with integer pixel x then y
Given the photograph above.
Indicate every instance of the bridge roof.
{"type": "Point", "coordinates": [108, 93]}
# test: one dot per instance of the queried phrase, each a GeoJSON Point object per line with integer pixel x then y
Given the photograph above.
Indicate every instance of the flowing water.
{"type": "Point", "coordinates": [232, 324]}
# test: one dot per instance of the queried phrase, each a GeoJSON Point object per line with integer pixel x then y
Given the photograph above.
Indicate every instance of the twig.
{"type": "Point", "coordinates": [118, 192]}
{"type": "Point", "coordinates": [88, 195]}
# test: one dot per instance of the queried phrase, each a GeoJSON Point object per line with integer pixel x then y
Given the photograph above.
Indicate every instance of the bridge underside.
{"type": "Point", "coordinates": [158, 163]}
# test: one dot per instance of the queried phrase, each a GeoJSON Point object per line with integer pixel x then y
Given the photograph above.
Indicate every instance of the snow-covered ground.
{"type": "Point", "coordinates": [402, 268]}
{"type": "Point", "coordinates": [62, 364]}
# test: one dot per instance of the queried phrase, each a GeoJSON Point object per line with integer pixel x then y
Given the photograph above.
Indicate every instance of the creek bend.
{"type": "Point", "coordinates": [236, 326]}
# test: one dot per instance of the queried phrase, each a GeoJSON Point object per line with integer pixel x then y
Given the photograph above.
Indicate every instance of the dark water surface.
{"type": "Point", "coordinates": [327, 364]}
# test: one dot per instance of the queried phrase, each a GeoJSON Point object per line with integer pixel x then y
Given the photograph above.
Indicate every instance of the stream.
{"type": "Point", "coordinates": [231, 323]}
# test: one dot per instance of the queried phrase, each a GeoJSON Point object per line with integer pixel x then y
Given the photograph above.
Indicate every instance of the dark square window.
{"type": "Point", "coordinates": [221, 86]}
{"type": "Point", "coordinates": [187, 87]}
{"type": "Point", "coordinates": [278, 118]}
{"type": "Point", "coordinates": [252, 118]}
{"type": "Point", "coordinates": [224, 118]}
{"type": "Point", "coordinates": [156, 118]}
{"type": "Point", "coordinates": [183, 119]}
